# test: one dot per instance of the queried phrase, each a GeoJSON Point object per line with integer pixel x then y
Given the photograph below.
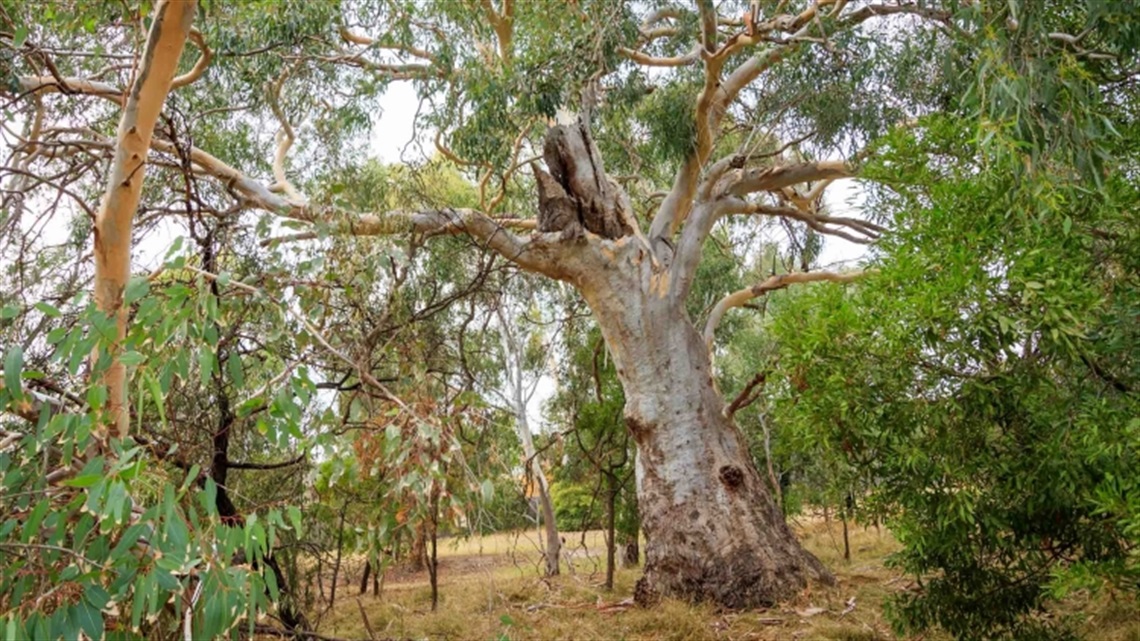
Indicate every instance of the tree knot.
{"type": "Point", "coordinates": [731, 476]}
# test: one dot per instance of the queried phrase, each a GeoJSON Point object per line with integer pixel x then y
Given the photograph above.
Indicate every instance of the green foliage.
{"type": "Point", "coordinates": [983, 385]}
{"type": "Point", "coordinates": [670, 120]}
{"type": "Point", "coordinates": [119, 536]}
{"type": "Point", "coordinates": [575, 506]}
{"type": "Point", "coordinates": [1041, 106]}
{"type": "Point", "coordinates": [979, 391]}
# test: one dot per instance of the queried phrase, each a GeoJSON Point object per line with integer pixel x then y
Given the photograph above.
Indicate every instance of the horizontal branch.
{"type": "Point", "coordinates": [397, 222]}
{"type": "Point", "coordinates": [540, 253]}
{"type": "Point", "coordinates": [748, 181]}
{"type": "Point", "coordinates": [241, 465]}
{"type": "Point", "coordinates": [780, 281]}
{"type": "Point", "coordinates": [397, 71]}
{"type": "Point", "coordinates": [868, 232]}
{"type": "Point", "coordinates": [642, 58]}
{"type": "Point", "coordinates": [69, 86]}
{"type": "Point", "coordinates": [355, 38]}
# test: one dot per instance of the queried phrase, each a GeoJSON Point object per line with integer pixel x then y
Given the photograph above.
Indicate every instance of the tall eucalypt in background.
{"type": "Point", "coordinates": [695, 117]}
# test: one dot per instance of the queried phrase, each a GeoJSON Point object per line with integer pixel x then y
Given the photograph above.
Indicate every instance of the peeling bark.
{"type": "Point", "coordinates": [165, 42]}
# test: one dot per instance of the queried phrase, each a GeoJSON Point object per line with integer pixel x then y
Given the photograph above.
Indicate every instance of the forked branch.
{"type": "Point", "coordinates": [723, 193]}
{"type": "Point", "coordinates": [781, 35]}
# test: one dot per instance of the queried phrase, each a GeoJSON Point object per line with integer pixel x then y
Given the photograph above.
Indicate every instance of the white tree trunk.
{"type": "Point", "coordinates": [553, 547]}
{"type": "Point", "coordinates": [517, 396]}
{"type": "Point", "coordinates": [714, 531]}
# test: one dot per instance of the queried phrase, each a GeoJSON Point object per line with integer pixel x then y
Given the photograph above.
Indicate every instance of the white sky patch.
{"type": "Point", "coordinates": [843, 198]}
{"type": "Point", "coordinates": [394, 136]}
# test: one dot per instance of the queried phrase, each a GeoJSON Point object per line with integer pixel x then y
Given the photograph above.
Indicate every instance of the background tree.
{"type": "Point", "coordinates": [522, 363]}
{"type": "Point", "coordinates": [598, 452]}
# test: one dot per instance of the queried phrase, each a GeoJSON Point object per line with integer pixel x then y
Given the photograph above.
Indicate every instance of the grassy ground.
{"type": "Point", "coordinates": [491, 590]}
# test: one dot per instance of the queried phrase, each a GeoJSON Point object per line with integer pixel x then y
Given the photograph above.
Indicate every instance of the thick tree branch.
{"type": "Point", "coordinates": [748, 181]}
{"type": "Point", "coordinates": [503, 25]}
{"type": "Point", "coordinates": [48, 84]}
{"type": "Point", "coordinates": [738, 298]}
{"type": "Point", "coordinates": [707, 13]}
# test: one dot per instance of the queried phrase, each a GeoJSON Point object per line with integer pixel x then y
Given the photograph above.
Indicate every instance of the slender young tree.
{"type": "Point", "coordinates": [520, 386]}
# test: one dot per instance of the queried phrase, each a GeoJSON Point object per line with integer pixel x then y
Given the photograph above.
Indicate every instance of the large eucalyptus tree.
{"type": "Point", "coordinates": [702, 112]}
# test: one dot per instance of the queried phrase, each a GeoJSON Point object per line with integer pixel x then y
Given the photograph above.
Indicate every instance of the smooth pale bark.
{"type": "Point", "coordinates": [553, 548]}
{"type": "Point", "coordinates": [165, 42]}
{"type": "Point", "coordinates": [714, 531]}
{"type": "Point", "coordinates": [517, 398]}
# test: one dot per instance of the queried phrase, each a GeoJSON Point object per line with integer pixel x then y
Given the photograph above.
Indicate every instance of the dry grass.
{"type": "Point", "coordinates": [491, 590]}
